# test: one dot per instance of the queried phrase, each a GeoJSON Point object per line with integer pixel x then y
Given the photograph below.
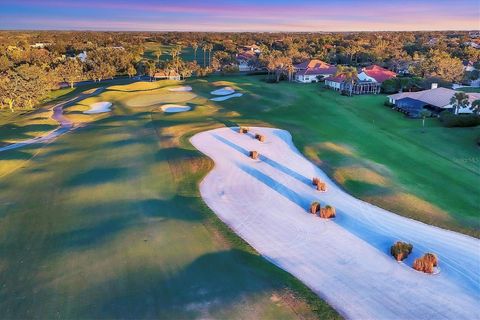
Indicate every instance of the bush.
{"type": "Point", "coordinates": [426, 263]}
{"type": "Point", "coordinates": [314, 207]}
{"type": "Point", "coordinates": [327, 212]}
{"type": "Point", "coordinates": [449, 119]}
{"type": "Point", "coordinates": [321, 186]}
{"type": "Point", "coordinates": [244, 130]}
{"type": "Point", "coordinates": [254, 155]}
{"type": "Point", "coordinates": [260, 137]}
{"type": "Point", "coordinates": [431, 258]}
{"type": "Point", "coordinates": [400, 250]}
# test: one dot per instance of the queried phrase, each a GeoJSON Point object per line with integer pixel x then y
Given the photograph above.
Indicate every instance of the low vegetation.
{"type": "Point", "coordinates": [244, 130]}
{"type": "Point", "coordinates": [400, 250]}
{"type": "Point", "coordinates": [449, 119]}
{"type": "Point", "coordinates": [315, 207]}
{"type": "Point", "coordinates": [426, 264]}
{"type": "Point", "coordinates": [260, 137]}
{"type": "Point", "coordinates": [327, 212]}
{"type": "Point", "coordinates": [321, 186]}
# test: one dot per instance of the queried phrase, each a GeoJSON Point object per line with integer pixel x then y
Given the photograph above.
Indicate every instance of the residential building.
{"type": "Point", "coordinates": [313, 71]}
{"type": "Point", "coordinates": [435, 100]}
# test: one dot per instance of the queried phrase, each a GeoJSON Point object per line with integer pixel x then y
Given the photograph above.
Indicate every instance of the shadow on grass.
{"type": "Point", "coordinates": [206, 287]}
{"type": "Point", "coordinates": [96, 176]}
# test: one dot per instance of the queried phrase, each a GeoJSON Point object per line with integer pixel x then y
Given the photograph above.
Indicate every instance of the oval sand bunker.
{"type": "Point", "coordinates": [99, 107]}
{"type": "Point", "coordinates": [171, 108]}
{"type": "Point", "coordinates": [181, 89]}
{"type": "Point", "coordinates": [227, 97]}
{"type": "Point", "coordinates": [223, 92]}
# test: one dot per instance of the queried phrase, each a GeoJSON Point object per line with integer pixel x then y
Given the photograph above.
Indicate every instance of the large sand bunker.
{"type": "Point", "coordinates": [223, 92]}
{"type": "Point", "coordinates": [345, 260]}
{"type": "Point", "coordinates": [172, 108]}
{"type": "Point", "coordinates": [99, 107]}
{"type": "Point", "coordinates": [181, 89]}
{"type": "Point", "coordinates": [227, 97]}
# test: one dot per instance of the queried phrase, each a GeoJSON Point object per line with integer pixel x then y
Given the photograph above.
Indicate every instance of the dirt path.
{"type": "Point", "coordinates": [346, 261]}
{"type": "Point", "coordinates": [57, 115]}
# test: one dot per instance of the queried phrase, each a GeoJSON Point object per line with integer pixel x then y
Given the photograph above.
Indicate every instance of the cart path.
{"type": "Point", "coordinates": [65, 124]}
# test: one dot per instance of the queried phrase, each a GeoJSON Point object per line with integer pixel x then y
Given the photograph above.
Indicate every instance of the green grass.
{"type": "Point", "coordinates": [111, 225]}
{"type": "Point", "coordinates": [187, 53]}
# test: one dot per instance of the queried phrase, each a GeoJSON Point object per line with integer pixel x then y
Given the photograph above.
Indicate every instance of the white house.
{"type": "Point", "coordinates": [375, 73]}
{"type": "Point", "coordinates": [313, 70]}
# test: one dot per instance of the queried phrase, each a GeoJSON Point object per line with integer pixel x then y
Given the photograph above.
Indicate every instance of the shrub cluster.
{"type": "Point", "coordinates": [321, 186]}
{"type": "Point", "coordinates": [449, 119]}
{"type": "Point", "coordinates": [314, 207]}
{"type": "Point", "coordinates": [260, 137]}
{"type": "Point", "coordinates": [426, 263]}
{"type": "Point", "coordinates": [400, 250]}
{"type": "Point", "coordinates": [244, 129]}
{"type": "Point", "coordinates": [327, 212]}
{"type": "Point", "coordinates": [254, 155]}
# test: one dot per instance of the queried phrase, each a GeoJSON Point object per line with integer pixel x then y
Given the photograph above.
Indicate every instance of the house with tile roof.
{"type": "Point", "coordinates": [375, 73]}
{"type": "Point", "coordinates": [313, 70]}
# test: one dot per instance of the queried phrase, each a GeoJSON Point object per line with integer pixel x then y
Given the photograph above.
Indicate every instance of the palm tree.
{"type": "Point", "coordinates": [350, 75]}
{"type": "Point", "coordinates": [476, 106]}
{"type": "Point", "coordinates": [204, 48]}
{"type": "Point", "coordinates": [210, 48]}
{"type": "Point", "coordinates": [459, 100]}
{"type": "Point", "coordinates": [195, 47]}
{"type": "Point", "coordinates": [158, 53]}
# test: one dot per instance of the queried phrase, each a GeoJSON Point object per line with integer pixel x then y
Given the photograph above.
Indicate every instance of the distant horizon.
{"type": "Point", "coordinates": [240, 31]}
{"type": "Point", "coordinates": [240, 16]}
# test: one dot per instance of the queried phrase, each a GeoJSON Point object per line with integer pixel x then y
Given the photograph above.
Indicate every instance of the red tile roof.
{"type": "Point", "coordinates": [378, 73]}
{"type": "Point", "coordinates": [315, 67]}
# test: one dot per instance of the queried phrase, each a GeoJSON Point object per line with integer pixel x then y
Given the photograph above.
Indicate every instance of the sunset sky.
{"type": "Point", "coordinates": [249, 15]}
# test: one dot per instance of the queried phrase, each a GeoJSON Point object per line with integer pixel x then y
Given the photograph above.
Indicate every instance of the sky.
{"type": "Point", "coordinates": [246, 15]}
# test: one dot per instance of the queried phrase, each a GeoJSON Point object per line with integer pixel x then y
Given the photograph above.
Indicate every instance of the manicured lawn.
{"type": "Point", "coordinates": [107, 221]}
{"type": "Point", "coordinates": [111, 225]}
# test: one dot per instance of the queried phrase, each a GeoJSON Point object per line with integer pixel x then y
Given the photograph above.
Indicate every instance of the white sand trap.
{"type": "Point", "coordinates": [99, 107]}
{"type": "Point", "coordinates": [171, 108]}
{"type": "Point", "coordinates": [227, 97]}
{"type": "Point", "coordinates": [223, 92]}
{"type": "Point", "coordinates": [345, 260]}
{"type": "Point", "coordinates": [181, 89]}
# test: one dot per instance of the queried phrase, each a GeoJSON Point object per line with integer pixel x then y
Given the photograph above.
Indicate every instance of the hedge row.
{"type": "Point", "coordinates": [449, 119]}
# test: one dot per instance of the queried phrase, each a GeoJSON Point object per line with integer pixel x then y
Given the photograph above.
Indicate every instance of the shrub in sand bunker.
{"type": "Point", "coordinates": [328, 212]}
{"type": "Point", "coordinates": [426, 263]}
{"type": "Point", "coordinates": [260, 137]}
{"type": "Point", "coordinates": [243, 129]}
{"type": "Point", "coordinates": [400, 250]}
{"type": "Point", "coordinates": [314, 207]}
